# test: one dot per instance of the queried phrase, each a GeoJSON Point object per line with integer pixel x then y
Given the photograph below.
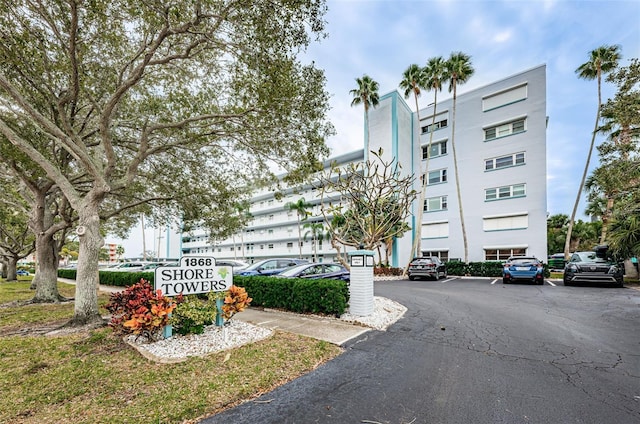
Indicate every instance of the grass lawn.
{"type": "Point", "coordinates": [94, 377]}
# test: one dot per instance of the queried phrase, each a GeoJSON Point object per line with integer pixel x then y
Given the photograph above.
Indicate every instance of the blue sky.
{"type": "Point", "coordinates": [383, 37]}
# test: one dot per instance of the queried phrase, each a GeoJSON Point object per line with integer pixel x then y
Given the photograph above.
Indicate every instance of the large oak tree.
{"type": "Point", "coordinates": [173, 104]}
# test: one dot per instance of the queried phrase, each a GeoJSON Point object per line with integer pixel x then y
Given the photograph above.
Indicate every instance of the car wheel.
{"type": "Point", "coordinates": [540, 282]}
{"type": "Point", "coordinates": [505, 281]}
{"type": "Point", "coordinates": [567, 283]}
{"type": "Point", "coordinates": [620, 285]}
{"type": "Point", "coordinates": [411, 277]}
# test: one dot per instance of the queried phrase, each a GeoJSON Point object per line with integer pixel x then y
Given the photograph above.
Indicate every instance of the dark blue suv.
{"type": "Point", "coordinates": [270, 266]}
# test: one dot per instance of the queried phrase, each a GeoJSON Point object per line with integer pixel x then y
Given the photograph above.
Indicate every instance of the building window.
{"type": "Point", "coordinates": [270, 231]}
{"type": "Point", "coordinates": [504, 130]}
{"type": "Point", "coordinates": [505, 97]}
{"type": "Point", "coordinates": [503, 254]}
{"type": "Point", "coordinates": [271, 217]}
{"type": "Point", "coordinates": [435, 126]}
{"type": "Point", "coordinates": [506, 222]}
{"type": "Point", "coordinates": [505, 192]}
{"type": "Point", "coordinates": [442, 254]}
{"type": "Point", "coordinates": [262, 247]}
{"type": "Point", "coordinates": [435, 230]}
{"type": "Point", "coordinates": [435, 204]}
{"type": "Point", "coordinates": [437, 149]}
{"type": "Point", "coordinates": [270, 246]}
{"type": "Point", "coordinates": [437, 177]}
{"type": "Point", "coordinates": [290, 245]}
{"type": "Point", "coordinates": [504, 161]}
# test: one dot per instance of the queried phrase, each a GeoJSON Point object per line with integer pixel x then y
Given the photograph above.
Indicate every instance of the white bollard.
{"type": "Point", "coordinates": [361, 285]}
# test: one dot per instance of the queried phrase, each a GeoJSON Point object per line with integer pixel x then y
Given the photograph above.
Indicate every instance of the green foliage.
{"type": "Point", "coordinates": [492, 269]}
{"type": "Point", "coordinates": [328, 297]}
{"type": "Point", "coordinates": [67, 273]}
{"type": "Point", "coordinates": [139, 310]}
{"type": "Point", "coordinates": [124, 278]}
{"type": "Point", "coordinates": [193, 313]}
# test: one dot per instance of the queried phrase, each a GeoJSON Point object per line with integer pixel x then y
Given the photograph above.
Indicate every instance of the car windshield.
{"type": "Point", "coordinates": [294, 270]}
{"type": "Point", "coordinates": [586, 257]}
{"type": "Point", "coordinates": [422, 261]}
{"type": "Point", "coordinates": [523, 261]}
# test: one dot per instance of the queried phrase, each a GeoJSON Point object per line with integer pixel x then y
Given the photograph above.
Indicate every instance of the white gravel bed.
{"type": "Point", "coordinates": [214, 339]}
{"type": "Point", "coordinates": [385, 313]}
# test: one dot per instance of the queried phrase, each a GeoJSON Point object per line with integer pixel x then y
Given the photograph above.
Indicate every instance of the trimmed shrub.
{"type": "Point", "coordinates": [139, 310]}
{"type": "Point", "coordinates": [386, 270]}
{"type": "Point", "coordinates": [193, 313]}
{"type": "Point", "coordinates": [300, 295]}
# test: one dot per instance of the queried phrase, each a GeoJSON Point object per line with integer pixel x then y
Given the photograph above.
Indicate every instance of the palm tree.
{"type": "Point", "coordinates": [413, 81]}
{"type": "Point", "coordinates": [119, 251]}
{"type": "Point", "coordinates": [367, 95]}
{"type": "Point", "coordinates": [602, 60]}
{"type": "Point", "coordinates": [432, 77]}
{"type": "Point", "coordinates": [458, 70]}
{"type": "Point", "coordinates": [316, 231]}
{"type": "Point", "coordinates": [302, 213]}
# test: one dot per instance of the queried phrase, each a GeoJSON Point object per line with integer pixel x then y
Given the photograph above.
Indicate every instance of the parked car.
{"type": "Point", "coordinates": [269, 266]}
{"type": "Point", "coordinates": [127, 266]}
{"type": "Point", "coordinates": [593, 267]}
{"type": "Point", "coordinates": [234, 263]}
{"type": "Point", "coordinates": [148, 267]}
{"type": "Point", "coordinates": [316, 271]}
{"type": "Point", "coordinates": [557, 261]}
{"type": "Point", "coordinates": [22, 272]}
{"type": "Point", "coordinates": [429, 266]}
{"type": "Point", "coordinates": [523, 268]}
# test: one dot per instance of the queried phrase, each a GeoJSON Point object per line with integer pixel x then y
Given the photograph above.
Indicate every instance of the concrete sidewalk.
{"type": "Point", "coordinates": [328, 329]}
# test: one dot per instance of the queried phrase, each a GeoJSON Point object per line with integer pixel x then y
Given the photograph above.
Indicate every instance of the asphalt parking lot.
{"type": "Point", "coordinates": [472, 350]}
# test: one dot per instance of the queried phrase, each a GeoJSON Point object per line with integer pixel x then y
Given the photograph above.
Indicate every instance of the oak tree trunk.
{"type": "Point", "coordinates": [87, 280]}
{"type": "Point", "coordinates": [45, 281]}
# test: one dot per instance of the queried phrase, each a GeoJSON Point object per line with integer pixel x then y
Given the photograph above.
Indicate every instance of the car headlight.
{"type": "Point", "coordinates": [613, 269]}
{"type": "Point", "coordinates": [572, 268]}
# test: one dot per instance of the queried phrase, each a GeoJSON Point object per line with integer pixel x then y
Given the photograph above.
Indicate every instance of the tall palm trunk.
{"type": "Point", "coordinates": [605, 219]}
{"type": "Point", "coordinates": [416, 248]}
{"type": "Point", "coordinates": [299, 237]}
{"type": "Point", "coordinates": [567, 242]}
{"type": "Point", "coordinates": [455, 165]}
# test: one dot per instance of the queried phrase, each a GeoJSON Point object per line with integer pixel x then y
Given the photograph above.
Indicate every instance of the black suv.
{"type": "Point", "coordinates": [429, 266]}
{"type": "Point", "coordinates": [593, 267]}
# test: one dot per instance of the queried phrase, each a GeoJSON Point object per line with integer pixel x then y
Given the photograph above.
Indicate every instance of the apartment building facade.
{"type": "Point", "coordinates": [500, 147]}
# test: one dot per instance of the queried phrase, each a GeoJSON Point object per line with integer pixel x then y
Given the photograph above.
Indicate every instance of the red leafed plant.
{"type": "Point", "coordinates": [140, 310]}
{"type": "Point", "coordinates": [236, 300]}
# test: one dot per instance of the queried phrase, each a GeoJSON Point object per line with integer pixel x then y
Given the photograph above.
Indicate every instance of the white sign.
{"type": "Point", "coordinates": [195, 274]}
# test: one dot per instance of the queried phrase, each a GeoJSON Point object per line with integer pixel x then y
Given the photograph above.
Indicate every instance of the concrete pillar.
{"type": "Point", "coordinates": [361, 285]}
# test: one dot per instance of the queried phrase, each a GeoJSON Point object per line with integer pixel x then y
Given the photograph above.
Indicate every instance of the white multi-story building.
{"type": "Point", "coordinates": [500, 145]}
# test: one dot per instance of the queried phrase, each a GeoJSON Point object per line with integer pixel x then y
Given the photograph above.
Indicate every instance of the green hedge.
{"type": "Point", "coordinates": [112, 278]}
{"type": "Point", "coordinates": [125, 278]}
{"type": "Point", "coordinates": [330, 297]}
{"type": "Point", "coordinates": [481, 269]}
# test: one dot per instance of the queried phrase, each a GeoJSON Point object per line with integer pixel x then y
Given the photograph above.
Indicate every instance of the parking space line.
{"type": "Point", "coordinates": [494, 281]}
{"type": "Point", "coordinates": [446, 280]}
{"type": "Point", "coordinates": [551, 283]}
